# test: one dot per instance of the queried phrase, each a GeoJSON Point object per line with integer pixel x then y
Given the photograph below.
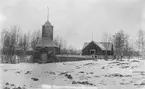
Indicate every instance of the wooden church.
{"type": "Point", "coordinates": [46, 49]}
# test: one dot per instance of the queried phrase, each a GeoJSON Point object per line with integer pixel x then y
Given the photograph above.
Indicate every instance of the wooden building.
{"type": "Point", "coordinates": [46, 49]}
{"type": "Point", "coordinates": [97, 48]}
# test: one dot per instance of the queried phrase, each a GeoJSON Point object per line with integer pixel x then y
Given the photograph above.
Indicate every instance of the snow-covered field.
{"type": "Point", "coordinates": [100, 74]}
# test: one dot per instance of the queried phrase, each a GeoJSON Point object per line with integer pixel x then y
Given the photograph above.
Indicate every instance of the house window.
{"type": "Point", "coordinates": [92, 51]}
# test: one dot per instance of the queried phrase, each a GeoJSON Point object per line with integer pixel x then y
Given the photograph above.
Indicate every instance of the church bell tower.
{"type": "Point", "coordinates": [47, 29]}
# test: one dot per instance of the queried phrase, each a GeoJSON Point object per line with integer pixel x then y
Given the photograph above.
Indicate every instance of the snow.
{"type": "Point", "coordinates": [99, 74]}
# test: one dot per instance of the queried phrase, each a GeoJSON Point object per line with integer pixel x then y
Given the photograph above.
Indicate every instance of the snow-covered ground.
{"type": "Point", "coordinates": [100, 74]}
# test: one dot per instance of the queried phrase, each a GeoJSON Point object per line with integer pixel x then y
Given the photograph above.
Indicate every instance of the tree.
{"type": "Point", "coordinates": [71, 50]}
{"type": "Point", "coordinates": [61, 44]}
{"type": "Point", "coordinates": [24, 43]}
{"type": "Point", "coordinates": [106, 38]}
{"type": "Point", "coordinates": [120, 40]}
{"type": "Point", "coordinates": [141, 41]}
{"type": "Point", "coordinates": [128, 47]}
{"type": "Point", "coordinates": [36, 37]}
{"type": "Point", "coordinates": [9, 42]}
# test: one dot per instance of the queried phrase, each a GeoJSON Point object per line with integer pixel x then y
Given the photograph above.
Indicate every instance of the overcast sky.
{"type": "Point", "coordinates": [75, 20]}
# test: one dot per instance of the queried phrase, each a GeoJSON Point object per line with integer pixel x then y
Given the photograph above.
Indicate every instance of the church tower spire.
{"type": "Point", "coordinates": [48, 14]}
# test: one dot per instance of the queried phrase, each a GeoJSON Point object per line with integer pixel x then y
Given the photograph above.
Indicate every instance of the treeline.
{"type": "Point", "coordinates": [13, 42]}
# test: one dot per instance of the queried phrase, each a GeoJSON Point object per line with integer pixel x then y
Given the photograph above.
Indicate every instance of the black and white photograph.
{"type": "Point", "coordinates": [72, 44]}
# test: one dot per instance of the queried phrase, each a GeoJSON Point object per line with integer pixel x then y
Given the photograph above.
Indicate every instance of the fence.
{"type": "Point", "coordinates": [87, 56]}
{"type": "Point", "coordinates": [58, 58]}
{"type": "Point", "coordinates": [81, 57]}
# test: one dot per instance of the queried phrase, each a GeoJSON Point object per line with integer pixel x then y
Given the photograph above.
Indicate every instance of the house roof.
{"type": "Point", "coordinates": [107, 45]}
{"type": "Point", "coordinates": [102, 45]}
{"type": "Point", "coordinates": [46, 42]}
{"type": "Point", "coordinates": [85, 44]}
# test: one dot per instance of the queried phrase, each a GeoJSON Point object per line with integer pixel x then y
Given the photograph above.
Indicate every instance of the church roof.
{"type": "Point", "coordinates": [47, 23]}
{"type": "Point", "coordinates": [102, 45]}
{"type": "Point", "coordinates": [45, 42]}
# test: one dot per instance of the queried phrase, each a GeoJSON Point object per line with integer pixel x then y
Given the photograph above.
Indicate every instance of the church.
{"type": "Point", "coordinates": [46, 49]}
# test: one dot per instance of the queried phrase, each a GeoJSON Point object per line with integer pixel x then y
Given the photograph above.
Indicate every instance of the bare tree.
{"type": "Point", "coordinates": [71, 50]}
{"type": "Point", "coordinates": [119, 40]}
{"type": "Point", "coordinates": [9, 42]}
{"type": "Point", "coordinates": [128, 47]}
{"type": "Point", "coordinates": [36, 36]}
{"type": "Point", "coordinates": [106, 38]}
{"type": "Point", "coordinates": [24, 43]}
{"type": "Point", "coordinates": [141, 41]}
{"type": "Point", "coordinates": [61, 44]}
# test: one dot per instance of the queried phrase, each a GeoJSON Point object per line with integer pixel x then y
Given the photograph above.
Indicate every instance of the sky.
{"type": "Point", "coordinates": [75, 20]}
